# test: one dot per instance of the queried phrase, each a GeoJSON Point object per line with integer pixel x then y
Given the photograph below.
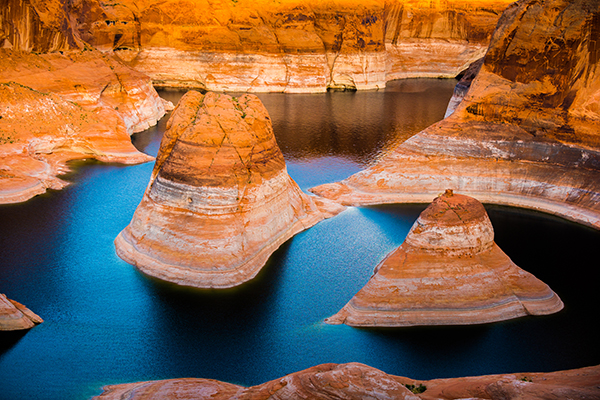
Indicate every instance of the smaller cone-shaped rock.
{"type": "Point", "coordinates": [220, 200]}
{"type": "Point", "coordinates": [15, 316]}
{"type": "Point", "coordinates": [448, 271]}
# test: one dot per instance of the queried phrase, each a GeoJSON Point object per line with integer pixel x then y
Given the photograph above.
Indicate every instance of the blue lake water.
{"type": "Point", "coordinates": [107, 323]}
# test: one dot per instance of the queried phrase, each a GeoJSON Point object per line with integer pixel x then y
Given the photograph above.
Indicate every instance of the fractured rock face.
{"type": "Point", "coordinates": [526, 133]}
{"type": "Point", "coordinates": [15, 316]}
{"type": "Point", "coordinates": [220, 200]}
{"type": "Point", "coordinates": [448, 271]}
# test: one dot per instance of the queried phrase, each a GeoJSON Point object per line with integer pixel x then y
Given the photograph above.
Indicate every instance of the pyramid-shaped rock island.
{"type": "Point", "coordinates": [220, 200]}
{"type": "Point", "coordinates": [448, 271]}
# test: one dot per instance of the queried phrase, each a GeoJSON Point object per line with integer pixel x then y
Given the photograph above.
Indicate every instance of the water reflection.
{"type": "Point", "coordinates": [107, 323]}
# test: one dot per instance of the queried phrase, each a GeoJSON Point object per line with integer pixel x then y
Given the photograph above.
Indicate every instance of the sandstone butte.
{"type": "Point", "coordinates": [359, 381]}
{"type": "Point", "coordinates": [289, 45]}
{"type": "Point", "coordinates": [220, 200]}
{"type": "Point", "coordinates": [527, 132]}
{"type": "Point", "coordinates": [15, 316]}
{"type": "Point", "coordinates": [61, 100]}
{"type": "Point", "coordinates": [448, 271]}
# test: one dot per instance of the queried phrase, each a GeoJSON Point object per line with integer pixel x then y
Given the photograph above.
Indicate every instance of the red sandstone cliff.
{"type": "Point", "coordinates": [527, 132]}
{"type": "Point", "coordinates": [290, 46]}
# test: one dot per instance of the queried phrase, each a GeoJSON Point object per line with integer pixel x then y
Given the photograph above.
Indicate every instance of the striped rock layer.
{"type": "Point", "coordinates": [448, 271]}
{"type": "Point", "coordinates": [15, 316]}
{"type": "Point", "coordinates": [527, 132]}
{"type": "Point", "coordinates": [220, 200]}
{"type": "Point", "coordinates": [354, 381]}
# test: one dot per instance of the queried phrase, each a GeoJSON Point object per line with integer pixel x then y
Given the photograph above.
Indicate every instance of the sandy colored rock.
{"type": "Point", "coordinates": [359, 381]}
{"type": "Point", "coordinates": [220, 200]}
{"type": "Point", "coordinates": [290, 46]}
{"type": "Point", "coordinates": [527, 133]}
{"type": "Point", "coordinates": [448, 271]}
{"type": "Point", "coordinates": [59, 107]}
{"type": "Point", "coordinates": [15, 316]}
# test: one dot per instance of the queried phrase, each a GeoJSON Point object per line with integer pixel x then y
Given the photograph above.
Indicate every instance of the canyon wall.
{"type": "Point", "coordinates": [359, 381]}
{"type": "Point", "coordinates": [527, 132]}
{"type": "Point", "coordinates": [290, 46]}
{"type": "Point", "coordinates": [15, 316]}
{"type": "Point", "coordinates": [61, 100]}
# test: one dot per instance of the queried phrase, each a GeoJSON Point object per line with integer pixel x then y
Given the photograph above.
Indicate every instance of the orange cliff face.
{"type": "Point", "coordinates": [59, 107]}
{"type": "Point", "coordinates": [359, 381]}
{"type": "Point", "coordinates": [220, 200]}
{"type": "Point", "coordinates": [60, 100]}
{"type": "Point", "coordinates": [448, 271]}
{"type": "Point", "coordinates": [290, 46]}
{"type": "Point", "coordinates": [527, 132]}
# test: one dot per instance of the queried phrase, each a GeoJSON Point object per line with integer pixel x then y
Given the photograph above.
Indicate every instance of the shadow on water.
{"type": "Point", "coordinates": [9, 339]}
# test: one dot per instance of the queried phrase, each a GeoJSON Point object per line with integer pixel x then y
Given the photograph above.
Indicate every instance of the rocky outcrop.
{"type": "Point", "coordinates": [448, 271]}
{"type": "Point", "coordinates": [527, 132]}
{"type": "Point", "coordinates": [59, 107]}
{"type": "Point", "coordinates": [359, 381]}
{"type": "Point", "coordinates": [289, 46]}
{"type": "Point", "coordinates": [220, 200]}
{"type": "Point", "coordinates": [15, 316]}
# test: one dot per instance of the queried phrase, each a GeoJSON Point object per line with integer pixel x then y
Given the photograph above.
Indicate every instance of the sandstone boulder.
{"type": "Point", "coordinates": [220, 200]}
{"type": "Point", "coordinates": [448, 271]}
{"type": "Point", "coordinates": [527, 133]}
{"type": "Point", "coordinates": [15, 316]}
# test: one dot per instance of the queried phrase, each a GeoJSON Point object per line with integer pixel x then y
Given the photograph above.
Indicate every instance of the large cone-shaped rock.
{"type": "Point", "coordinates": [15, 316]}
{"type": "Point", "coordinates": [220, 200]}
{"type": "Point", "coordinates": [448, 271]}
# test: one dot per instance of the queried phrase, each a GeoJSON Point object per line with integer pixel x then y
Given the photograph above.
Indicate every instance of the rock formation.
{"type": "Point", "coordinates": [59, 107]}
{"type": "Point", "coordinates": [448, 271]}
{"type": "Point", "coordinates": [291, 46]}
{"type": "Point", "coordinates": [527, 133]}
{"type": "Point", "coordinates": [359, 381]}
{"type": "Point", "coordinates": [220, 200]}
{"type": "Point", "coordinates": [15, 316]}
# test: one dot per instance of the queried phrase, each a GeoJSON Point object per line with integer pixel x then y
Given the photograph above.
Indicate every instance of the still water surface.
{"type": "Point", "coordinates": [107, 323]}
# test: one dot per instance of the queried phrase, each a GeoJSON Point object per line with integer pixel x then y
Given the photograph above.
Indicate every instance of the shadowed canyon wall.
{"type": "Point", "coordinates": [527, 132]}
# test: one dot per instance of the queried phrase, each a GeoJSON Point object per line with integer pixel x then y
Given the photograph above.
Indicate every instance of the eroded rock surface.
{"type": "Point", "coordinates": [290, 46]}
{"type": "Point", "coordinates": [60, 107]}
{"type": "Point", "coordinates": [359, 381]}
{"type": "Point", "coordinates": [15, 316]}
{"type": "Point", "coordinates": [220, 200]}
{"type": "Point", "coordinates": [526, 134]}
{"type": "Point", "coordinates": [448, 271]}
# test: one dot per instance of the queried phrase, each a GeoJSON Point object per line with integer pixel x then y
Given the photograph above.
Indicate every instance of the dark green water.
{"type": "Point", "coordinates": [107, 323]}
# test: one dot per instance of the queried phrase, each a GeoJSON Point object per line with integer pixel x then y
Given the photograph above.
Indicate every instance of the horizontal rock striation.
{"type": "Point", "coordinates": [359, 381]}
{"type": "Point", "coordinates": [527, 132]}
{"type": "Point", "coordinates": [448, 271]}
{"type": "Point", "coordinates": [60, 107]}
{"type": "Point", "coordinates": [220, 200]}
{"type": "Point", "coordinates": [290, 46]}
{"type": "Point", "coordinates": [15, 316]}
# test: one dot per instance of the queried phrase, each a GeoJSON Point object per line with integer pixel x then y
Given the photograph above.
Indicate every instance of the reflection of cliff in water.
{"type": "Point", "coordinates": [355, 125]}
